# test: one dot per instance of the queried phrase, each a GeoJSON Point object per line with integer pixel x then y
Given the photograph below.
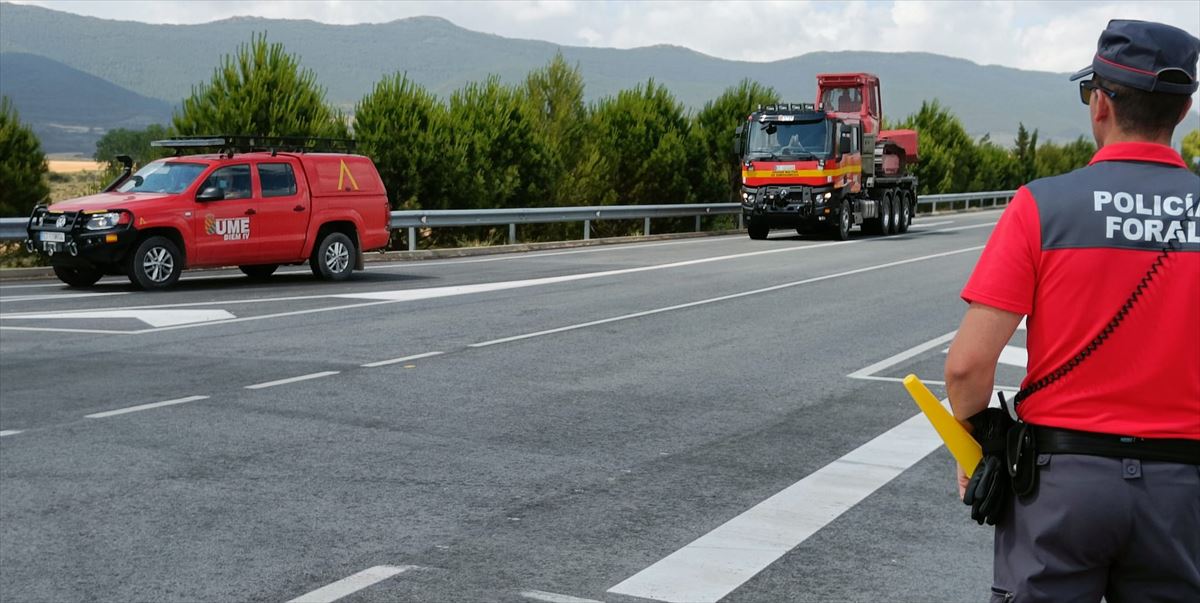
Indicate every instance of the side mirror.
{"type": "Point", "coordinates": [211, 193]}
{"type": "Point", "coordinates": [737, 140]}
{"type": "Point", "coordinates": [844, 145]}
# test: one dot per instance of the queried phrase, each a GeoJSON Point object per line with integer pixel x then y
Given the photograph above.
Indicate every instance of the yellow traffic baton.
{"type": "Point", "coordinates": [962, 446]}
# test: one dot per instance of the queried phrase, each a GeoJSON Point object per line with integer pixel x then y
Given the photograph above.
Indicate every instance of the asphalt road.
{"type": "Point", "coordinates": [572, 423]}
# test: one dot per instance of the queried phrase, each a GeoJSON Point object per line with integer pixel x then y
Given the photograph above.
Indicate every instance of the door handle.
{"type": "Point", "coordinates": [298, 208]}
{"type": "Point", "coordinates": [250, 212]}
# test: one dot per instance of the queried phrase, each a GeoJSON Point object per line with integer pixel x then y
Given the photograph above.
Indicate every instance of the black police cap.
{"type": "Point", "coordinates": [1138, 53]}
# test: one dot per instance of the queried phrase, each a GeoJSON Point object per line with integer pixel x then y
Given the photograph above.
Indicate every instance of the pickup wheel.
{"type": "Point", "coordinates": [333, 258]}
{"type": "Point", "coordinates": [259, 272]}
{"type": "Point", "coordinates": [155, 264]}
{"type": "Point", "coordinates": [77, 277]}
{"type": "Point", "coordinates": [841, 231]}
{"type": "Point", "coordinates": [757, 231]}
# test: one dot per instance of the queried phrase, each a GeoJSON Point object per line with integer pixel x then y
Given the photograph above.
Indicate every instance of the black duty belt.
{"type": "Point", "coordinates": [1054, 440]}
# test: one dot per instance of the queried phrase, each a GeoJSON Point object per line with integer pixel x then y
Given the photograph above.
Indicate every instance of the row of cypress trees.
{"type": "Point", "coordinates": [537, 143]}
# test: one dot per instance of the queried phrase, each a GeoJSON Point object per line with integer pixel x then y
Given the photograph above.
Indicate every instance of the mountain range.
{"type": "Point", "coordinates": [127, 72]}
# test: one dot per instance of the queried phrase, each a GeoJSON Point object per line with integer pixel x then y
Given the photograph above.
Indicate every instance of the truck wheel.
{"type": "Point", "coordinates": [259, 272]}
{"type": "Point", "coordinates": [77, 277]}
{"type": "Point", "coordinates": [905, 213]}
{"type": "Point", "coordinates": [155, 264]}
{"type": "Point", "coordinates": [889, 213]}
{"type": "Point", "coordinates": [841, 231]}
{"type": "Point", "coordinates": [757, 232]}
{"type": "Point", "coordinates": [333, 259]}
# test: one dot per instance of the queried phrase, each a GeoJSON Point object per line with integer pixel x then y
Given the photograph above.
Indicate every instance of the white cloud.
{"type": "Point", "coordinates": [1055, 36]}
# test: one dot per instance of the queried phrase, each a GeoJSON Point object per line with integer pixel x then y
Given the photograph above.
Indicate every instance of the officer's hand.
{"type": "Point", "coordinates": [962, 480]}
{"type": "Point", "coordinates": [988, 491]}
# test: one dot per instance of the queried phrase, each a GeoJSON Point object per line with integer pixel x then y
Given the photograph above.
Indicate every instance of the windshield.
{"type": "Point", "coordinates": [842, 100]}
{"type": "Point", "coordinates": [162, 177]}
{"type": "Point", "coordinates": [789, 139]}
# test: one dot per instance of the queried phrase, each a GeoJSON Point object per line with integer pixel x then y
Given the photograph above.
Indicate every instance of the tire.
{"type": "Point", "coordinates": [757, 232]}
{"type": "Point", "coordinates": [155, 264]}
{"type": "Point", "coordinates": [333, 257]}
{"type": "Point", "coordinates": [259, 272]}
{"type": "Point", "coordinates": [906, 209]}
{"type": "Point", "coordinates": [77, 277]}
{"type": "Point", "coordinates": [889, 213]}
{"type": "Point", "coordinates": [841, 231]}
{"type": "Point", "coordinates": [876, 226]}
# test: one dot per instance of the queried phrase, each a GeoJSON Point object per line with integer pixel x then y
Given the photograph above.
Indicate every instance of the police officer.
{"type": "Point", "coordinates": [1096, 490]}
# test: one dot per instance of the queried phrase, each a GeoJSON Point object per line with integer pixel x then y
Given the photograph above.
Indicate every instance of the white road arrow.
{"type": "Point", "coordinates": [154, 318]}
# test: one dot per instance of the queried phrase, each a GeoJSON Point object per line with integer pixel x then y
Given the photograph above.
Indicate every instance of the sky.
{"type": "Point", "coordinates": [1046, 36]}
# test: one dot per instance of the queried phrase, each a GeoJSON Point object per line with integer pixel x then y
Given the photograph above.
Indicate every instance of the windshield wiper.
{"type": "Point", "coordinates": [761, 155]}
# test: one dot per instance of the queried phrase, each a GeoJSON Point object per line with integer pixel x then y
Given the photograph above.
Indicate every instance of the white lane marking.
{"type": "Point", "coordinates": [352, 584]}
{"type": "Point", "coordinates": [64, 330]}
{"type": "Point", "coordinates": [409, 295]}
{"type": "Point", "coordinates": [927, 382]}
{"type": "Point", "coordinates": [930, 224]}
{"type": "Point", "coordinates": [432, 262]}
{"type": "Point", "coordinates": [509, 256]}
{"type": "Point", "coordinates": [720, 299]}
{"type": "Point", "coordinates": [1014, 356]}
{"type": "Point", "coordinates": [540, 595]}
{"type": "Point", "coordinates": [292, 379]}
{"type": "Point", "coordinates": [1011, 355]}
{"type": "Point", "coordinates": [432, 292]}
{"type": "Point", "coordinates": [22, 298]}
{"type": "Point", "coordinates": [204, 324]}
{"type": "Point", "coordinates": [902, 356]}
{"type": "Point", "coordinates": [717, 563]}
{"type": "Point", "coordinates": [712, 566]}
{"type": "Point", "coordinates": [154, 318]}
{"type": "Point", "coordinates": [402, 359]}
{"type": "Point", "coordinates": [121, 411]}
{"type": "Point", "coordinates": [8, 432]}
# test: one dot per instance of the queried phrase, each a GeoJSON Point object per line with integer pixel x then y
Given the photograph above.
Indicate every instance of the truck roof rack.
{"type": "Point", "coordinates": [787, 108]}
{"type": "Point", "coordinates": [230, 144]}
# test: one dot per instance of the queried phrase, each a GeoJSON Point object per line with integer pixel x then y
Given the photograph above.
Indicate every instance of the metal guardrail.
{"type": "Point", "coordinates": [13, 229]}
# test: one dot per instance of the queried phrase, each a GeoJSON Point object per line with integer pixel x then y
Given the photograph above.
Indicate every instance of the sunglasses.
{"type": "Point", "coordinates": [1087, 86]}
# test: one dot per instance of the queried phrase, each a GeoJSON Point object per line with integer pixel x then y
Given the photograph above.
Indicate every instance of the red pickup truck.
{"type": "Point", "coordinates": [256, 210]}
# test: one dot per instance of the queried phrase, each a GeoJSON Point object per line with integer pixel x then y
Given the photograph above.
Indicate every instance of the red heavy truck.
{"type": "Point", "coordinates": [256, 204]}
{"type": "Point", "coordinates": [826, 166]}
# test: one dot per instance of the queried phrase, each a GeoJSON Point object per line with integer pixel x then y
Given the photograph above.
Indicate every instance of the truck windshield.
{"type": "Point", "coordinates": [789, 139]}
{"type": "Point", "coordinates": [162, 177]}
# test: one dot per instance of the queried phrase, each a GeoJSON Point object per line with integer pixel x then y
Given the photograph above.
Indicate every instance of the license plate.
{"type": "Point", "coordinates": [54, 237]}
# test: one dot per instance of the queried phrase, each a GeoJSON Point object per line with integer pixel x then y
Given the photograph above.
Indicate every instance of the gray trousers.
{"type": "Point", "coordinates": [1121, 529]}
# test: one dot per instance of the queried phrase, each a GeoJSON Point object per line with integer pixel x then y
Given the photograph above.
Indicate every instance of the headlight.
{"type": "Point", "coordinates": [104, 221]}
{"type": "Point", "coordinates": [828, 196]}
{"type": "Point", "coordinates": [747, 195]}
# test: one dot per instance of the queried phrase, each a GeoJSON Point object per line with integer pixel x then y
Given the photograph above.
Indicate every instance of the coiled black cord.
{"type": "Point", "coordinates": [1104, 334]}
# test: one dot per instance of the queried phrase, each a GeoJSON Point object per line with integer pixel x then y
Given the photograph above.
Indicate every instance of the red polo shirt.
{"type": "Point", "coordinates": [1068, 252]}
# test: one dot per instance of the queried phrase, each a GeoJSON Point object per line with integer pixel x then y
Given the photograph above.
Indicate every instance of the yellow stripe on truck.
{"type": "Point", "coordinates": [850, 169]}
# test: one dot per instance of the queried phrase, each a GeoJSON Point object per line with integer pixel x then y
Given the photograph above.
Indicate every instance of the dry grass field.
{"type": "Point", "coordinates": [70, 166]}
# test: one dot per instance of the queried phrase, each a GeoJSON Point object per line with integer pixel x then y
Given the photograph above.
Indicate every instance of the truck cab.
{"type": "Point", "coordinates": [798, 163]}
{"type": "Point", "coordinates": [252, 208]}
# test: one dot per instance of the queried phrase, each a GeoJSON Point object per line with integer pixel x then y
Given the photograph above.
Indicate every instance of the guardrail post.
{"type": "Point", "coordinates": [412, 238]}
{"type": "Point", "coordinates": [512, 234]}
{"type": "Point", "coordinates": [697, 223]}
{"type": "Point", "coordinates": [646, 229]}
{"type": "Point", "coordinates": [587, 230]}
{"type": "Point", "coordinates": [740, 225]}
